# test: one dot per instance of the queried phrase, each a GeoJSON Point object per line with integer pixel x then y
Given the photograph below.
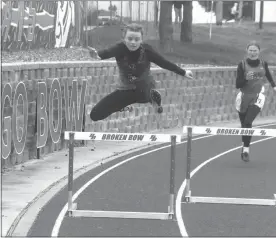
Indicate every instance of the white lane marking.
{"type": "Point", "coordinates": [180, 193]}
{"type": "Point", "coordinates": [61, 215]}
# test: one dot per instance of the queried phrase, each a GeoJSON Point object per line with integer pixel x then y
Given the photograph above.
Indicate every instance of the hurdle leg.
{"type": "Point", "coordinates": [71, 206]}
{"type": "Point", "coordinates": [73, 212]}
{"type": "Point", "coordinates": [172, 179]}
{"type": "Point", "coordinates": [188, 169]}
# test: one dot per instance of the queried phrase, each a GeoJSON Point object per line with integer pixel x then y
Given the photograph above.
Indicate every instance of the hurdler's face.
{"type": "Point", "coordinates": [133, 40]}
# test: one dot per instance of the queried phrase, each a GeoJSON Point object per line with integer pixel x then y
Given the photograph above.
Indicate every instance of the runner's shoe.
{"type": "Point", "coordinates": [156, 99]}
{"type": "Point", "coordinates": [245, 156]}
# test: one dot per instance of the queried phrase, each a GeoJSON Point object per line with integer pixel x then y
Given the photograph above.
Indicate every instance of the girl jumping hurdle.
{"type": "Point", "coordinates": [136, 84]}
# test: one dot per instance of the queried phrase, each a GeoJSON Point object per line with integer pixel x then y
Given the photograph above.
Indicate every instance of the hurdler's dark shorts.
{"type": "Point", "coordinates": [120, 99]}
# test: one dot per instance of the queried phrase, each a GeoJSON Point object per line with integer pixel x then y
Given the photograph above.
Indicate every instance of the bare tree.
{"type": "Point", "coordinates": [139, 10]}
{"type": "Point", "coordinates": [110, 9]}
{"type": "Point", "coordinates": [121, 11]}
{"type": "Point", "coordinates": [147, 17]}
{"type": "Point", "coordinates": [261, 15]}
{"type": "Point", "coordinates": [219, 13]}
{"type": "Point", "coordinates": [165, 26]}
{"type": "Point", "coordinates": [186, 34]}
{"type": "Point", "coordinates": [130, 9]}
{"type": "Point", "coordinates": [156, 10]}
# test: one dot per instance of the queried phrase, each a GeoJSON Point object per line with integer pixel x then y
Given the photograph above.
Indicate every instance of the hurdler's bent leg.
{"type": "Point", "coordinates": [146, 93]}
{"type": "Point", "coordinates": [156, 98]}
{"type": "Point", "coordinates": [112, 103]}
{"type": "Point", "coordinates": [150, 96]}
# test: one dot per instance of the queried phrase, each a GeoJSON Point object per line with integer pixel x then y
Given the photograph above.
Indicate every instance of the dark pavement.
{"type": "Point", "coordinates": [142, 185]}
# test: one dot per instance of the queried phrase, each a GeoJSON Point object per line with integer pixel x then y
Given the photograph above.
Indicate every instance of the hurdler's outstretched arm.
{"type": "Point", "coordinates": [159, 60]}
{"type": "Point", "coordinates": [107, 53]}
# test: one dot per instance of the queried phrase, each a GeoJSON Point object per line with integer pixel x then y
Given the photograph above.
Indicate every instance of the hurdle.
{"type": "Point", "coordinates": [190, 130]}
{"type": "Point", "coordinates": [72, 210]}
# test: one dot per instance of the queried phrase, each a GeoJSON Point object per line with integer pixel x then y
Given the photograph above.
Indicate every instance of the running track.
{"type": "Point", "coordinates": [142, 184]}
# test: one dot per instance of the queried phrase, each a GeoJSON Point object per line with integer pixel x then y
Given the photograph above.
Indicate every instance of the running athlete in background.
{"type": "Point", "coordinates": [136, 84]}
{"type": "Point", "coordinates": [251, 74]}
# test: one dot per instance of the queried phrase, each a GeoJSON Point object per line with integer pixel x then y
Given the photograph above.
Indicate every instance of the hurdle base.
{"type": "Point", "coordinates": [170, 213]}
{"type": "Point", "coordinates": [74, 207]}
{"type": "Point", "coordinates": [119, 214]}
{"type": "Point", "coordinates": [187, 196]}
{"type": "Point", "coordinates": [236, 201]}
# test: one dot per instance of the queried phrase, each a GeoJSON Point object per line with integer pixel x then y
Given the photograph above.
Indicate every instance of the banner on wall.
{"type": "Point", "coordinates": [29, 24]}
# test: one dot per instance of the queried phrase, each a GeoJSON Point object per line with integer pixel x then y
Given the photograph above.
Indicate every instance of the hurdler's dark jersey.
{"type": "Point", "coordinates": [134, 66]}
{"type": "Point", "coordinates": [255, 85]}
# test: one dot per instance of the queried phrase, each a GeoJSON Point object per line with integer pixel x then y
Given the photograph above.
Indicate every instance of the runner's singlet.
{"type": "Point", "coordinates": [252, 92]}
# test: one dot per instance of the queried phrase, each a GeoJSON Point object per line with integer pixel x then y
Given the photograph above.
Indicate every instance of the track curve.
{"type": "Point", "coordinates": [142, 184]}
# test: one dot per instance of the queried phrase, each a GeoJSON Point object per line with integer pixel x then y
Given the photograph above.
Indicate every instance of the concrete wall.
{"type": "Point", "coordinates": [209, 97]}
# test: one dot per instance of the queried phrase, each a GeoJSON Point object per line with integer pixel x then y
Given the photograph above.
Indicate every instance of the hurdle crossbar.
{"type": "Point", "coordinates": [155, 138]}
{"type": "Point", "coordinates": [222, 131]}
{"type": "Point", "coordinates": [231, 131]}
{"type": "Point", "coordinates": [236, 201]}
{"type": "Point", "coordinates": [121, 214]}
{"type": "Point", "coordinates": [135, 137]}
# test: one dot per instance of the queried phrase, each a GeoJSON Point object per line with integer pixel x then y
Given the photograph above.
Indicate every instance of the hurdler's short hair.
{"type": "Point", "coordinates": [133, 27]}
